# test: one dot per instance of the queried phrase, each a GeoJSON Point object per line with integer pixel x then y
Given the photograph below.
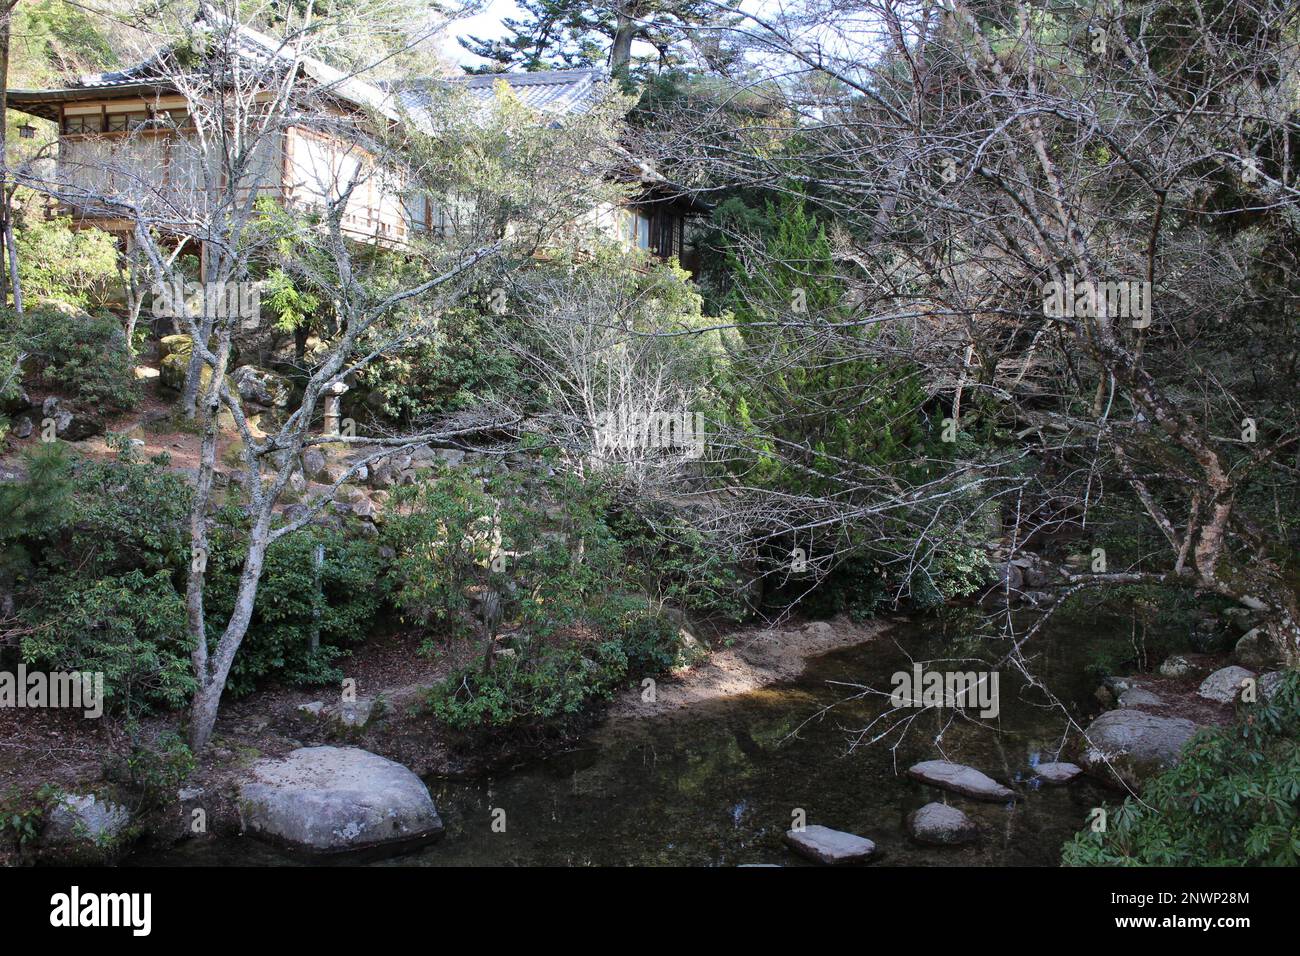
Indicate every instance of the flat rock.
{"type": "Point", "coordinates": [829, 846]}
{"type": "Point", "coordinates": [1057, 773]}
{"type": "Point", "coordinates": [1133, 744]}
{"type": "Point", "coordinates": [958, 778]}
{"type": "Point", "coordinates": [1224, 685]}
{"type": "Point", "coordinates": [941, 825]}
{"type": "Point", "coordinates": [325, 800]}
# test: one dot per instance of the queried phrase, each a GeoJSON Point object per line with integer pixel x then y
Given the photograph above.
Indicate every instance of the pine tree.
{"type": "Point", "coordinates": [555, 34]}
{"type": "Point", "coordinates": [803, 375]}
{"type": "Point", "coordinates": [563, 34]}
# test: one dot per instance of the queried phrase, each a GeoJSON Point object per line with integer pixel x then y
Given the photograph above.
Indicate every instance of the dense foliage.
{"type": "Point", "coordinates": [56, 261]}
{"type": "Point", "coordinates": [94, 554]}
{"type": "Point", "coordinates": [540, 585]}
{"type": "Point", "coordinates": [75, 354]}
{"type": "Point", "coordinates": [340, 604]}
{"type": "Point", "coordinates": [1234, 800]}
{"type": "Point", "coordinates": [91, 552]}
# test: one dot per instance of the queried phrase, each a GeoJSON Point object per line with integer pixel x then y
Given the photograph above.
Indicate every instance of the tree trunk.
{"type": "Point", "coordinates": [13, 256]}
{"type": "Point", "coordinates": [207, 700]}
{"type": "Point", "coordinates": [6, 225]}
{"type": "Point", "coordinates": [625, 31]}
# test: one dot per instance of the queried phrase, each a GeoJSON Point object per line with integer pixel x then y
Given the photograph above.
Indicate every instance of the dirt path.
{"type": "Point", "coordinates": [754, 659]}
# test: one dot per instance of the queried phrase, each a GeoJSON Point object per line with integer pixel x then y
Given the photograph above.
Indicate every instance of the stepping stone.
{"type": "Point", "coordinates": [830, 846]}
{"type": "Point", "coordinates": [1224, 685]}
{"type": "Point", "coordinates": [1057, 773]}
{"type": "Point", "coordinates": [958, 778]}
{"type": "Point", "coordinates": [941, 825]}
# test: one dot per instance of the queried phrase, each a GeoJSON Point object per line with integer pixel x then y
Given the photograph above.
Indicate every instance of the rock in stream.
{"type": "Point", "coordinates": [323, 800]}
{"type": "Point", "coordinates": [830, 846]}
{"type": "Point", "coordinates": [959, 778]}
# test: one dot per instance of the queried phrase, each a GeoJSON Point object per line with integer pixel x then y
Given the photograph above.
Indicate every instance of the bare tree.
{"type": "Point", "coordinates": [247, 93]}
{"type": "Point", "coordinates": [1080, 219]}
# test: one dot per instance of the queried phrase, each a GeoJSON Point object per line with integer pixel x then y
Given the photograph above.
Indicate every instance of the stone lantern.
{"type": "Point", "coordinates": [333, 397]}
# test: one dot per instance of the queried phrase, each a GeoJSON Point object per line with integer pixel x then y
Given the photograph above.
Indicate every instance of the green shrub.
{"type": "Point", "coordinates": [130, 626]}
{"type": "Point", "coordinates": [440, 531]}
{"type": "Point", "coordinates": [452, 535]}
{"type": "Point", "coordinates": [55, 261]}
{"type": "Point", "coordinates": [541, 687]}
{"type": "Point", "coordinates": [650, 640]}
{"type": "Point", "coordinates": [278, 642]}
{"type": "Point", "coordinates": [91, 551]}
{"type": "Point", "coordinates": [77, 354]}
{"type": "Point", "coordinates": [21, 820]}
{"type": "Point", "coordinates": [672, 558]}
{"type": "Point", "coordinates": [156, 770]}
{"type": "Point", "coordinates": [1234, 800]}
{"type": "Point", "coordinates": [457, 368]}
{"type": "Point", "coordinates": [522, 694]}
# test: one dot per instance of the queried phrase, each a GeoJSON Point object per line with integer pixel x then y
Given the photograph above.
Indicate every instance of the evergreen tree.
{"type": "Point", "coordinates": [555, 34]}
{"type": "Point", "coordinates": [804, 374]}
{"type": "Point", "coordinates": [563, 34]}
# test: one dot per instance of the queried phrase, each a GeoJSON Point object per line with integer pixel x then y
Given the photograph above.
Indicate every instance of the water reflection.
{"type": "Point", "coordinates": [720, 784]}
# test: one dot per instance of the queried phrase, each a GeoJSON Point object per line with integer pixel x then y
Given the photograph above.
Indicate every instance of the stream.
{"type": "Point", "coordinates": [717, 784]}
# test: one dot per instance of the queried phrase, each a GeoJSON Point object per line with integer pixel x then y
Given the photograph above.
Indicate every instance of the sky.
{"type": "Point", "coordinates": [842, 34]}
{"type": "Point", "coordinates": [485, 24]}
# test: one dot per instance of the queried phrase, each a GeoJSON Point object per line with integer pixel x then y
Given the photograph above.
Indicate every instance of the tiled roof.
{"type": "Point", "coordinates": [557, 92]}
{"type": "Point", "coordinates": [552, 91]}
{"type": "Point", "coordinates": [560, 92]}
{"type": "Point", "coordinates": [258, 50]}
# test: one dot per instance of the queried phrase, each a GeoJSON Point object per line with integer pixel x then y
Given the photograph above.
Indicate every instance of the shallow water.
{"type": "Point", "coordinates": [719, 784]}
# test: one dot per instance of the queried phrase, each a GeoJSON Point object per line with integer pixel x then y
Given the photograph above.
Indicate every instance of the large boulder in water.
{"type": "Point", "coordinates": [323, 800]}
{"type": "Point", "coordinates": [1132, 745]}
{"type": "Point", "coordinates": [958, 778]}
